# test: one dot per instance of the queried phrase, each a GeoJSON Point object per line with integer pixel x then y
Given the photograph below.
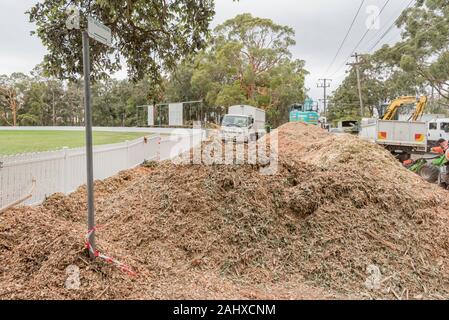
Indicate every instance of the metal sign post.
{"type": "Point", "coordinates": [89, 148]}
{"type": "Point", "coordinates": [101, 33]}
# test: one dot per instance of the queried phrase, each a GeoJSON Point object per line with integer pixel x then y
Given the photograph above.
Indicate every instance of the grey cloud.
{"type": "Point", "coordinates": [320, 26]}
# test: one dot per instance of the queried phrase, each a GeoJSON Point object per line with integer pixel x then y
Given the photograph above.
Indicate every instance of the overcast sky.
{"type": "Point", "coordinates": [320, 27]}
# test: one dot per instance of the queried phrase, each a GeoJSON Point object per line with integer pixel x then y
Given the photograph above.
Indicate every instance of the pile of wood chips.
{"type": "Point", "coordinates": [337, 209]}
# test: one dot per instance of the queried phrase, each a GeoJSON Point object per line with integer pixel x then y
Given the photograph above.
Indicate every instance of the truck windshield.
{"type": "Point", "coordinates": [235, 121]}
{"type": "Point", "coordinates": [348, 124]}
{"type": "Point", "coordinates": [445, 126]}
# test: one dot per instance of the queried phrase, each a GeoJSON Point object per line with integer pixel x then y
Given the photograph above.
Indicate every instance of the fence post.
{"type": "Point", "coordinates": [158, 148]}
{"type": "Point", "coordinates": [65, 170]}
{"type": "Point", "coordinates": [127, 155]}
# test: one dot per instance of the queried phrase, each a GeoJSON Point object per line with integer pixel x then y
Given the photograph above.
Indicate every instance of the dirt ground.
{"type": "Point", "coordinates": [340, 219]}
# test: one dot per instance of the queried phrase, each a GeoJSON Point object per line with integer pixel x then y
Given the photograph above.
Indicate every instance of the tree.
{"type": "Point", "coordinates": [11, 96]}
{"type": "Point", "coordinates": [382, 81]}
{"type": "Point", "coordinates": [248, 62]}
{"type": "Point", "coordinates": [43, 101]}
{"type": "Point", "coordinates": [73, 107]}
{"type": "Point", "coordinates": [148, 34]}
{"type": "Point", "coordinates": [424, 50]}
{"type": "Point", "coordinates": [421, 58]}
{"type": "Point", "coordinates": [8, 99]}
{"type": "Point", "coordinates": [284, 85]}
{"type": "Point", "coordinates": [114, 102]}
{"type": "Point", "coordinates": [253, 46]}
{"type": "Point", "coordinates": [414, 65]}
{"type": "Point", "coordinates": [179, 84]}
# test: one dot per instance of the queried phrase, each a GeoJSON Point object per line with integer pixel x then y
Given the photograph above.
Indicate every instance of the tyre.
{"type": "Point", "coordinates": [429, 173]}
{"type": "Point", "coordinates": [402, 157]}
{"type": "Point", "coordinates": [444, 185]}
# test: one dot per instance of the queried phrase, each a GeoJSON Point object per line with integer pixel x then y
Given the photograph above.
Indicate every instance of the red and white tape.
{"type": "Point", "coordinates": [158, 151]}
{"type": "Point", "coordinates": [98, 254]}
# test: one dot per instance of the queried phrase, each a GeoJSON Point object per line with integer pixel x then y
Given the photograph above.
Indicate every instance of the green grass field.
{"type": "Point", "coordinates": [14, 142]}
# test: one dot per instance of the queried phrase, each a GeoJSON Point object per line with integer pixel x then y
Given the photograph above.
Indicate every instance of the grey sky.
{"type": "Point", "coordinates": [320, 26]}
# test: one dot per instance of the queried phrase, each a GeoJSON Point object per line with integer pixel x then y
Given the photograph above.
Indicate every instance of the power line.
{"type": "Point", "coordinates": [367, 31]}
{"type": "Point", "coordinates": [405, 43]}
{"type": "Point", "coordinates": [346, 37]}
{"type": "Point", "coordinates": [392, 26]}
{"type": "Point", "coordinates": [386, 32]}
{"type": "Point", "coordinates": [363, 38]}
{"type": "Point", "coordinates": [392, 39]}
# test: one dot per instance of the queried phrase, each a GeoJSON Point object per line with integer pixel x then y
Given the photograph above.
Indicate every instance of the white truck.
{"type": "Point", "coordinates": [437, 129]}
{"type": "Point", "coordinates": [243, 123]}
{"type": "Point", "coordinates": [401, 138]}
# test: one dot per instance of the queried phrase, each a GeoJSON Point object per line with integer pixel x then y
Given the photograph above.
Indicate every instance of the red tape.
{"type": "Point", "coordinates": [98, 254]}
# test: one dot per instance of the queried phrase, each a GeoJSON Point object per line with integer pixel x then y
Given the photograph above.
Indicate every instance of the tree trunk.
{"type": "Point", "coordinates": [14, 113]}
{"type": "Point", "coordinates": [54, 111]}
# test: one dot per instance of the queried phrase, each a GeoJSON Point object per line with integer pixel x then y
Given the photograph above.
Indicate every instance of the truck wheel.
{"type": "Point", "coordinates": [429, 173]}
{"type": "Point", "coordinates": [402, 157]}
{"type": "Point", "coordinates": [444, 185]}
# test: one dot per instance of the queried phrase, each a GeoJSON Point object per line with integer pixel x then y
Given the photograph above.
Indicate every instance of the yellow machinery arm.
{"type": "Point", "coordinates": [399, 102]}
{"type": "Point", "coordinates": [420, 107]}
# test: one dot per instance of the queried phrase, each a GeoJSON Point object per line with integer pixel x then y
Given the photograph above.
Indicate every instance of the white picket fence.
{"type": "Point", "coordinates": [65, 170]}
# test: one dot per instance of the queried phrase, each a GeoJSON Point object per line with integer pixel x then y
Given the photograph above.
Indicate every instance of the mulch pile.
{"type": "Point", "coordinates": [340, 219]}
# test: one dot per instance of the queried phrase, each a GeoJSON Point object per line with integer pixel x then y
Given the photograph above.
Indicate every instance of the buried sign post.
{"type": "Point", "coordinates": [101, 33]}
{"type": "Point", "coordinates": [89, 151]}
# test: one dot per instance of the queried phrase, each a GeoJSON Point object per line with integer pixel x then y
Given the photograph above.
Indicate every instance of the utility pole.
{"type": "Point", "coordinates": [324, 83]}
{"type": "Point", "coordinates": [356, 64]}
